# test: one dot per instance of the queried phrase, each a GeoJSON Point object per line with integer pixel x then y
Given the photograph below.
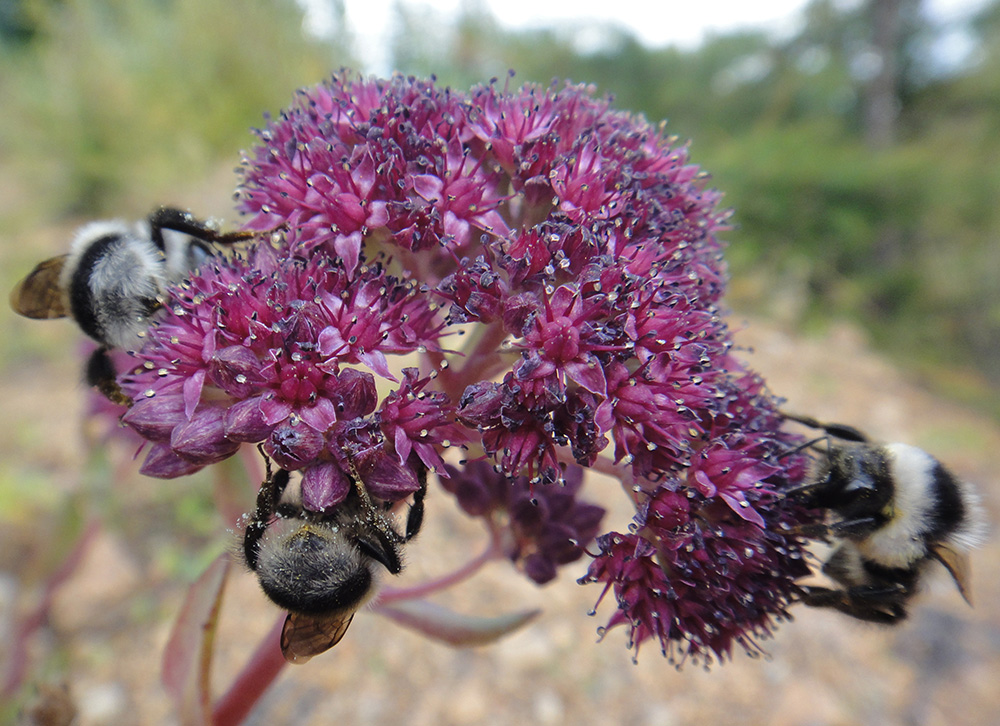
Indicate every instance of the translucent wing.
{"type": "Point", "coordinates": [304, 636]}
{"type": "Point", "coordinates": [39, 295]}
{"type": "Point", "coordinates": [957, 563]}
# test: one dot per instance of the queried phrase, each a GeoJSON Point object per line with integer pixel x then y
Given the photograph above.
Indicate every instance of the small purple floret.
{"type": "Point", "coordinates": [550, 525]}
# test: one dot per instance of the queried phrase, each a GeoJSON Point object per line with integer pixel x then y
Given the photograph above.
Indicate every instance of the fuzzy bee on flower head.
{"type": "Point", "coordinates": [322, 567]}
{"type": "Point", "coordinates": [114, 278]}
{"type": "Point", "coordinates": [894, 509]}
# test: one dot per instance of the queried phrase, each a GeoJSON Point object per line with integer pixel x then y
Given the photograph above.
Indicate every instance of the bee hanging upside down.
{"type": "Point", "coordinates": [895, 509]}
{"type": "Point", "coordinates": [114, 278]}
{"type": "Point", "coordinates": [323, 566]}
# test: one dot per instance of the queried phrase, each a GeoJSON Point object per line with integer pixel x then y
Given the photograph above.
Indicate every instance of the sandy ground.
{"type": "Point", "coordinates": [111, 619]}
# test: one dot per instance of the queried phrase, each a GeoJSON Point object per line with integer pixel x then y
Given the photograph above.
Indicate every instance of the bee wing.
{"type": "Point", "coordinates": [39, 295]}
{"type": "Point", "coordinates": [957, 563]}
{"type": "Point", "coordinates": [304, 636]}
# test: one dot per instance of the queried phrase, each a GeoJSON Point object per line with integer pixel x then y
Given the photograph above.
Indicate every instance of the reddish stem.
{"type": "Point", "coordinates": [253, 681]}
{"type": "Point", "coordinates": [17, 655]}
{"type": "Point", "coordinates": [481, 363]}
{"type": "Point", "coordinates": [492, 552]}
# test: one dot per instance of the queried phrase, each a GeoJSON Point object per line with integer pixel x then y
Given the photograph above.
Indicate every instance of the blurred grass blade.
{"type": "Point", "coordinates": [451, 628]}
{"type": "Point", "coordinates": [187, 659]}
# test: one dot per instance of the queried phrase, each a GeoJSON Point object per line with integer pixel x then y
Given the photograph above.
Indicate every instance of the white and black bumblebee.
{"type": "Point", "coordinates": [114, 278]}
{"type": "Point", "coordinates": [895, 509]}
{"type": "Point", "coordinates": [323, 567]}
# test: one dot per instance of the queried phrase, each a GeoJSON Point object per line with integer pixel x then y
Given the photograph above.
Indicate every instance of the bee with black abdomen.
{"type": "Point", "coordinates": [114, 278]}
{"type": "Point", "coordinates": [322, 567]}
{"type": "Point", "coordinates": [894, 509]}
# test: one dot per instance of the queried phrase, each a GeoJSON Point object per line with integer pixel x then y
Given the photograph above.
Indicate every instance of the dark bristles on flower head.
{"type": "Point", "coordinates": [528, 274]}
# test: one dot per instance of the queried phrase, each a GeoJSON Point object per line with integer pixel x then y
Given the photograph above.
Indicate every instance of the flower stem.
{"type": "Point", "coordinates": [253, 681]}
{"type": "Point", "coordinates": [479, 363]}
{"type": "Point", "coordinates": [15, 668]}
{"type": "Point", "coordinates": [493, 551]}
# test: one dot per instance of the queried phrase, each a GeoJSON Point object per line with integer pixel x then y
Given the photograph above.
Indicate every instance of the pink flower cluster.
{"type": "Point", "coordinates": [531, 275]}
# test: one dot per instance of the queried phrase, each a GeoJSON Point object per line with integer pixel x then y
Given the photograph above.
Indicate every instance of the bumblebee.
{"type": "Point", "coordinates": [114, 278]}
{"type": "Point", "coordinates": [894, 509]}
{"type": "Point", "coordinates": [322, 567]}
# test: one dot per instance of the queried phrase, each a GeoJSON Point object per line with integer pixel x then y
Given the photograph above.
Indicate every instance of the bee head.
{"type": "Point", "coordinates": [854, 481]}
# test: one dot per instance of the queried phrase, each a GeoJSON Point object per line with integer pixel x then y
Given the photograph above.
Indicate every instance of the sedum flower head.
{"type": "Point", "coordinates": [527, 273]}
{"type": "Point", "coordinates": [258, 350]}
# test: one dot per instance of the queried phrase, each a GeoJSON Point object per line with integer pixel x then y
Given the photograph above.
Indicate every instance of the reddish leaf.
{"type": "Point", "coordinates": [187, 658]}
{"type": "Point", "coordinates": [439, 623]}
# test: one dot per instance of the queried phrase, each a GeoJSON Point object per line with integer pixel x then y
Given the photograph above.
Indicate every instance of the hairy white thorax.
{"type": "Point", "coordinates": [901, 541]}
{"type": "Point", "coordinates": [130, 272]}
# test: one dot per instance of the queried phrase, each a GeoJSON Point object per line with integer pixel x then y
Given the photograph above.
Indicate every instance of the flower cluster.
{"type": "Point", "coordinates": [529, 274]}
{"type": "Point", "coordinates": [257, 351]}
{"type": "Point", "coordinates": [547, 526]}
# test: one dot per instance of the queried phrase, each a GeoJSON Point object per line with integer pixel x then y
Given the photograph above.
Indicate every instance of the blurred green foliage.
{"type": "Point", "coordinates": [111, 104]}
{"type": "Point", "coordinates": [905, 237]}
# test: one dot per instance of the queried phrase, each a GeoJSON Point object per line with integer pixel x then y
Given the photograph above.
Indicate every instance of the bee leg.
{"type": "Point", "coordinates": [381, 547]}
{"type": "Point", "coordinates": [415, 517]}
{"type": "Point", "coordinates": [796, 450]}
{"type": "Point", "coordinates": [854, 528]}
{"type": "Point", "coordinates": [872, 603]}
{"type": "Point", "coordinates": [100, 373]}
{"type": "Point", "coordinates": [849, 529]}
{"type": "Point", "coordinates": [268, 497]}
{"type": "Point", "coordinates": [812, 531]}
{"type": "Point", "coordinates": [844, 566]}
{"type": "Point", "coordinates": [181, 221]}
{"type": "Point", "coordinates": [806, 489]}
